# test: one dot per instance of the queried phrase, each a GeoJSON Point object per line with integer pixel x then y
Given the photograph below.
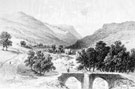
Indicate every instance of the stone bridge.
{"type": "Point", "coordinates": [87, 79]}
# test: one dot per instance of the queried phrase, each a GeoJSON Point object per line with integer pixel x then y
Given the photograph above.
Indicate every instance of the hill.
{"type": "Point", "coordinates": [109, 33]}
{"type": "Point", "coordinates": [24, 27]}
{"type": "Point", "coordinates": [65, 33]}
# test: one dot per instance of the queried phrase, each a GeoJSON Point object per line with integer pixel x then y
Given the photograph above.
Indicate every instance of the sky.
{"type": "Point", "coordinates": [86, 16]}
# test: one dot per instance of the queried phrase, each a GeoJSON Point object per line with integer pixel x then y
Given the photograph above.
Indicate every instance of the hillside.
{"type": "Point", "coordinates": [109, 33]}
{"type": "Point", "coordinates": [24, 27]}
{"type": "Point", "coordinates": [65, 33]}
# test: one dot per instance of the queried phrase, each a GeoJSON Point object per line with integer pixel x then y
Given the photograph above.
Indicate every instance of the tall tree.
{"type": "Point", "coordinates": [82, 59]}
{"type": "Point", "coordinates": [54, 48]}
{"type": "Point", "coordinates": [30, 59]}
{"type": "Point", "coordinates": [131, 66]}
{"type": "Point", "coordinates": [117, 58]}
{"type": "Point", "coordinates": [5, 39]}
{"type": "Point", "coordinates": [61, 48]}
{"type": "Point", "coordinates": [91, 54]}
{"type": "Point", "coordinates": [102, 51]}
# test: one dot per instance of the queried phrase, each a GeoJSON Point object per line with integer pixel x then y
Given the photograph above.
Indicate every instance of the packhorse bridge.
{"type": "Point", "coordinates": [87, 79]}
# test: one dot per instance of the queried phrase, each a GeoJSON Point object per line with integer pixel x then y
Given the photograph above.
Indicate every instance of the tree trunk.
{"type": "Point", "coordinates": [93, 69]}
{"type": "Point", "coordinates": [3, 48]}
{"type": "Point", "coordinates": [6, 48]}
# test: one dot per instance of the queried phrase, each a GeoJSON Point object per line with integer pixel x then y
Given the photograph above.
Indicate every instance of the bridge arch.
{"type": "Point", "coordinates": [109, 78]}
{"type": "Point", "coordinates": [65, 76]}
{"type": "Point", "coordinates": [88, 79]}
{"type": "Point", "coordinates": [73, 83]}
{"type": "Point", "coordinates": [98, 82]}
{"type": "Point", "coordinates": [72, 76]}
{"type": "Point", "coordinates": [105, 78]}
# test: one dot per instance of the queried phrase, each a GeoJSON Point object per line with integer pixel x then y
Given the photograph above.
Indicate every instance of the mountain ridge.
{"type": "Point", "coordinates": [109, 33]}
{"type": "Point", "coordinates": [25, 27]}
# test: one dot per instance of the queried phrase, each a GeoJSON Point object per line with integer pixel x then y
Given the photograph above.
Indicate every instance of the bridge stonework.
{"type": "Point", "coordinates": [110, 78]}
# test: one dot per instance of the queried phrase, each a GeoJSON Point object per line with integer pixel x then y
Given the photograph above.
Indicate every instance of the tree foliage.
{"type": "Point", "coordinates": [61, 49]}
{"type": "Point", "coordinates": [39, 63]}
{"type": "Point", "coordinates": [53, 48]}
{"type": "Point", "coordinates": [117, 58]}
{"type": "Point", "coordinates": [83, 60]}
{"type": "Point", "coordinates": [23, 43]}
{"type": "Point", "coordinates": [5, 39]}
{"type": "Point", "coordinates": [114, 58]}
{"type": "Point", "coordinates": [40, 45]}
{"type": "Point", "coordinates": [101, 51]}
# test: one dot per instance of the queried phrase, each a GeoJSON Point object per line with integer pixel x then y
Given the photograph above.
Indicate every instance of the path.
{"type": "Point", "coordinates": [9, 67]}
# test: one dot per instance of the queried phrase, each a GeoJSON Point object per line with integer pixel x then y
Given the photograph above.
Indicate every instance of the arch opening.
{"type": "Point", "coordinates": [73, 83]}
{"type": "Point", "coordinates": [100, 83]}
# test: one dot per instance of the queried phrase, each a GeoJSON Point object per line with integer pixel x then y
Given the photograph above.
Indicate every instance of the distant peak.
{"type": "Point", "coordinates": [111, 25]}
{"type": "Point", "coordinates": [126, 22]}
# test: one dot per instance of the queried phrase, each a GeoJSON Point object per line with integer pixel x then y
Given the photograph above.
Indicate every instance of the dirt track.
{"type": "Point", "coordinates": [9, 67]}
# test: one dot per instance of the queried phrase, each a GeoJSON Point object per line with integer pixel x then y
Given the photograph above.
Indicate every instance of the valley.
{"type": "Point", "coordinates": [38, 46]}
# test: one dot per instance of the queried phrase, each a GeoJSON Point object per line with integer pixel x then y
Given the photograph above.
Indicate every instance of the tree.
{"type": "Point", "coordinates": [102, 51]}
{"type": "Point", "coordinates": [114, 58]}
{"type": "Point", "coordinates": [54, 48]}
{"type": "Point", "coordinates": [30, 59]}
{"type": "Point", "coordinates": [40, 45]}
{"type": "Point", "coordinates": [39, 63]}
{"type": "Point", "coordinates": [23, 43]}
{"type": "Point", "coordinates": [5, 39]}
{"type": "Point", "coordinates": [117, 58]}
{"type": "Point", "coordinates": [91, 54]}
{"type": "Point", "coordinates": [82, 59]}
{"type": "Point", "coordinates": [131, 66]}
{"type": "Point", "coordinates": [61, 48]}
{"type": "Point", "coordinates": [93, 58]}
